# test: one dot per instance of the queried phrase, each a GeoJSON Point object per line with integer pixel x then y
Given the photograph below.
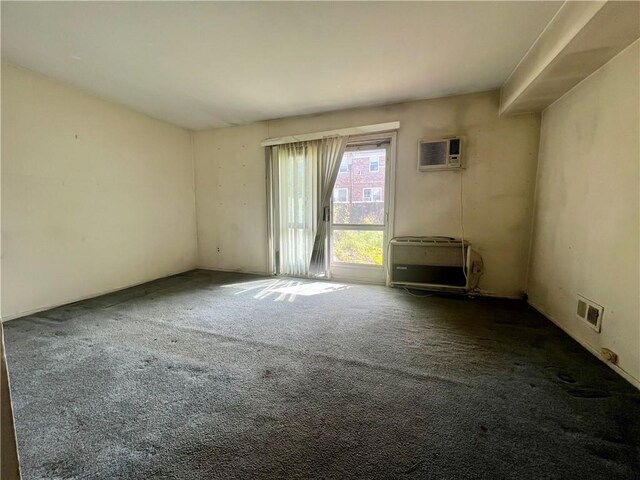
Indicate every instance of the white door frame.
{"type": "Point", "coordinates": [371, 273]}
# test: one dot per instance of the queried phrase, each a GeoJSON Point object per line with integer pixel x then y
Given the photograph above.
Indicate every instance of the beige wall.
{"type": "Point", "coordinates": [95, 197]}
{"type": "Point", "coordinates": [231, 198]}
{"type": "Point", "coordinates": [500, 153]}
{"type": "Point", "coordinates": [586, 220]}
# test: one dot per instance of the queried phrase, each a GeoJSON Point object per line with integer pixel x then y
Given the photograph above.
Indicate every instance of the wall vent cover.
{"type": "Point", "coordinates": [590, 312]}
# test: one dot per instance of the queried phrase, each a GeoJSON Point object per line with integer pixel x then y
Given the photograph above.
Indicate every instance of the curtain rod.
{"type": "Point", "coordinates": [375, 128]}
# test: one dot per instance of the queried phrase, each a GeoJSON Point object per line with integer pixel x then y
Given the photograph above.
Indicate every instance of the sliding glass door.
{"type": "Point", "coordinates": [360, 213]}
{"type": "Point", "coordinates": [301, 178]}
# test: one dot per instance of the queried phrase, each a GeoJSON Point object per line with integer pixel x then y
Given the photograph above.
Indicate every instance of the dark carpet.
{"type": "Point", "coordinates": [211, 375]}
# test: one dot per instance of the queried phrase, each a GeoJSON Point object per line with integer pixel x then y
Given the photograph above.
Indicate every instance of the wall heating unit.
{"type": "Point", "coordinates": [430, 263]}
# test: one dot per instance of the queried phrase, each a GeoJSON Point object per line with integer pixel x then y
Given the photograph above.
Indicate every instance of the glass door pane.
{"type": "Point", "coordinates": [358, 208]}
{"type": "Point", "coordinates": [357, 246]}
{"type": "Point", "coordinates": [358, 196]}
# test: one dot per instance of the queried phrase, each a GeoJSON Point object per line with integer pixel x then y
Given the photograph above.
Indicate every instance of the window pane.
{"type": "Point", "coordinates": [357, 246]}
{"type": "Point", "coordinates": [341, 195]}
{"type": "Point", "coordinates": [364, 203]}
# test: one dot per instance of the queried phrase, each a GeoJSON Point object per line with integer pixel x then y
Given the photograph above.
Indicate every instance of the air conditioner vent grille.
{"type": "Point", "coordinates": [433, 153]}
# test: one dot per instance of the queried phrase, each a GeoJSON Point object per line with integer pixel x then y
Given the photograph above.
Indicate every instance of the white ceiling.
{"type": "Point", "coordinates": [210, 64]}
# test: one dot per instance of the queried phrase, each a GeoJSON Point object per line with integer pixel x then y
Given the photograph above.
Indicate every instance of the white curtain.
{"type": "Point", "coordinates": [331, 151]}
{"type": "Point", "coordinates": [306, 174]}
{"type": "Point", "coordinates": [297, 209]}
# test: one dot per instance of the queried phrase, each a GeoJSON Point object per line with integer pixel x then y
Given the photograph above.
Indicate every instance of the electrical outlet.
{"type": "Point", "coordinates": [609, 355]}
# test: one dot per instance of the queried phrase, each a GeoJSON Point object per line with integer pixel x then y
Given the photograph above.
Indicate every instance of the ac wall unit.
{"type": "Point", "coordinates": [430, 263]}
{"type": "Point", "coordinates": [440, 154]}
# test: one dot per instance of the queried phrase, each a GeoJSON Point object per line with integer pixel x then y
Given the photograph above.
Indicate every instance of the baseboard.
{"type": "Point", "coordinates": [33, 311]}
{"type": "Point", "coordinates": [234, 270]}
{"type": "Point", "coordinates": [620, 371]}
{"type": "Point", "coordinates": [342, 279]}
{"type": "Point", "coordinates": [496, 295]}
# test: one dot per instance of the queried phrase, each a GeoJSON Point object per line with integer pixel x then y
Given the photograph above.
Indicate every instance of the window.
{"type": "Point", "coordinates": [341, 195]}
{"type": "Point", "coordinates": [374, 164]}
{"type": "Point", "coordinates": [372, 194]}
{"type": "Point", "coordinates": [344, 167]}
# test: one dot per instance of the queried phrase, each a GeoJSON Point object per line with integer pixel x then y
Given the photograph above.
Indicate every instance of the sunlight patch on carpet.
{"type": "Point", "coordinates": [285, 290]}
